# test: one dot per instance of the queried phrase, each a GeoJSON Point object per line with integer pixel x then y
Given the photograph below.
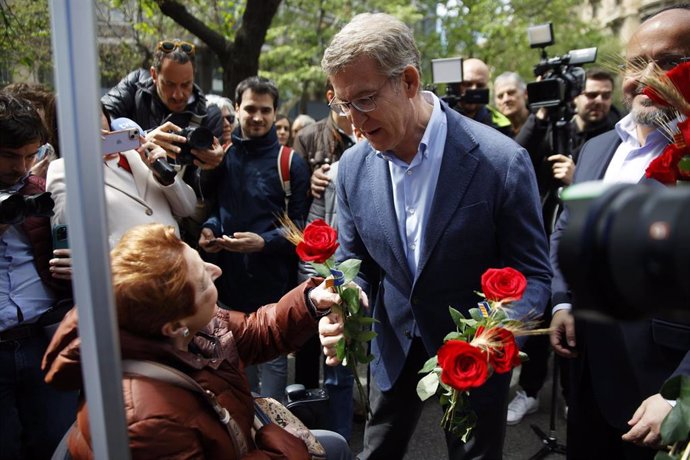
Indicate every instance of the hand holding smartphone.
{"type": "Point", "coordinates": [60, 237]}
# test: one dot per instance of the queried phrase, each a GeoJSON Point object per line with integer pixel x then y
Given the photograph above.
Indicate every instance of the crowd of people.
{"type": "Point", "coordinates": [426, 194]}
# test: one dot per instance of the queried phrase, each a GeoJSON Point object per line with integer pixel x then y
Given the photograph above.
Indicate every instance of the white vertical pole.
{"type": "Point", "coordinates": [76, 64]}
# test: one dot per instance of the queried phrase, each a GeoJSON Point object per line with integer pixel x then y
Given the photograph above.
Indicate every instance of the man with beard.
{"type": "Point", "coordinates": [258, 262]}
{"type": "Point", "coordinates": [618, 368]}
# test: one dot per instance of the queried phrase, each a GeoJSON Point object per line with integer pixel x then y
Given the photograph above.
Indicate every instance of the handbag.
{"type": "Point", "coordinates": [268, 410]}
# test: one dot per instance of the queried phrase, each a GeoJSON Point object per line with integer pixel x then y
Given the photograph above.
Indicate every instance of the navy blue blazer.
{"type": "Point", "coordinates": [485, 213]}
{"type": "Point", "coordinates": [626, 361]}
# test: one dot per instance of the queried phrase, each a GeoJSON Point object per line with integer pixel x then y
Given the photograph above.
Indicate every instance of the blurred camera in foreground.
{"type": "Point", "coordinates": [15, 207]}
{"type": "Point", "coordinates": [626, 250]}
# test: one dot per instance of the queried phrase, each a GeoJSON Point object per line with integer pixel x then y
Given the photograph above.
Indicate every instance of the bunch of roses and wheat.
{"type": "Point", "coordinates": [481, 344]}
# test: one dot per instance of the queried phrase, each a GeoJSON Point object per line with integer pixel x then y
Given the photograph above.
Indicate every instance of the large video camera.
{"type": "Point", "coordinates": [626, 250]}
{"type": "Point", "coordinates": [15, 207]}
{"type": "Point", "coordinates": [449, 71]}
{"type": "Point", "coordinates": [562, 80]}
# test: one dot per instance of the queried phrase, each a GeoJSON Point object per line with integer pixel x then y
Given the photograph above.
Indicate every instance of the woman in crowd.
{"type": "Point", "coordinates": [283, 129]}
{"type": "Point", "coordinates": [229, 118]}
{"type": "Point", "coordinates": [166, 307]}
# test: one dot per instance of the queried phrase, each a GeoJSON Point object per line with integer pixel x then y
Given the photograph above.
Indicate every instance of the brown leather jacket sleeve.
{"type": "Point", "coordinates": [274, 329]}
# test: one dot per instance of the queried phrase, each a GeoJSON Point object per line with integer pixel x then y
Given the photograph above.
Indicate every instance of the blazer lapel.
{"type": "Point", "coordinates": [382, 196]}
{"type": "Point", "coordinates": [457, 169]}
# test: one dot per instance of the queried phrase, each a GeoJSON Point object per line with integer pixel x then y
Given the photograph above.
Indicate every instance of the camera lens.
{"type": "Point", "coordinates": [200, 138]}
{"type": "Point", "coordinates": [626, 253]}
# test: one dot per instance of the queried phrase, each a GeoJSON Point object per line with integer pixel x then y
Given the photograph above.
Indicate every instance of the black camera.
{"type": "Point", "coordinates": [626, 250]}
{"type": "Point", "coordinates": [198, 137]}
{"type": "Point", "coordinates": [562, 80]}
{"type": "Point", "coordinates": [15, 207]}
{"type": "Point", "coordinates": [449, 71]}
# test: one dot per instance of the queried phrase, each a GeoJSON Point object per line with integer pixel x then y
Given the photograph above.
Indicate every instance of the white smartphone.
{"type": "Point", "coordinates": [120, 141]}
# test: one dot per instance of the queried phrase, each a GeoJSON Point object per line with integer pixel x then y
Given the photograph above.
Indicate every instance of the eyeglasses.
{"type": "Point", "coordinates": [605, 95]}
{"type": "Point", "coordinates": [168, 46]}
{"type": "Point", "coordinates": [664, 63]}
{"type": "Point", "coordinates": [229, 118]}
{"type": "Point", "coordinates": [362, 104]}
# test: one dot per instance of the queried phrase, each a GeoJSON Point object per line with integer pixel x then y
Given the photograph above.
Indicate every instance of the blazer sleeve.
{"type": "Point", "coordinates": [522, 240]}
{"type": "Point", "coordinates": [181, 197]}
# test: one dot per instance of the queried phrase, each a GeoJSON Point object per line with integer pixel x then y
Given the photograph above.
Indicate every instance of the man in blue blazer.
{"type": "Point", "coordinates": [618, 368]}
{"type": "Point", "coordinates": [428, 202]}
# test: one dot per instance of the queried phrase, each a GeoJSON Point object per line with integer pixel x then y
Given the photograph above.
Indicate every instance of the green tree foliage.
{"type": "Point", "coordinates": [284, 40]}
{"type": "Point", "coordinates": [25, 48]}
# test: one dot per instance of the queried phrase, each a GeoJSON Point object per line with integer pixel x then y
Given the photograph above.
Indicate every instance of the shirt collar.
{"type": "Point", "coordinates": [427, 142]}
{"type": "Point", "coordinates": [627, 131]}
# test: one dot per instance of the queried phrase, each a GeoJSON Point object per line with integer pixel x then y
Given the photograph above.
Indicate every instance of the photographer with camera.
{"type": "Point", "coordinates": [475, 77]}
{"type": "Point", "coordinates": [618, 367]}
{"type": "Point", "coordinates": [34, 415]}
{"type": "Point", "coordinates": [165, 102]}
{"type": "Point", "coordinates": [135, 190]}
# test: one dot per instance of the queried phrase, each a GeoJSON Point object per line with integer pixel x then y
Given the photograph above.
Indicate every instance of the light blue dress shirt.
{"type": "Point", "coordinates": [414, 184]}
{"type": "Point", "coordinates": [23, 296]}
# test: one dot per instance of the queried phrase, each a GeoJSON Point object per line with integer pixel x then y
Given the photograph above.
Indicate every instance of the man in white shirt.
{"type": "Point", "coordinates": [618, 368]}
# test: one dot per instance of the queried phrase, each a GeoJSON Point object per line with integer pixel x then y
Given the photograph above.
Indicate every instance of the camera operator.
{"type": "Point", "coordinates": [165, 99]}
{"type": "Point", "coordinates": [475, 75]}
{"type": "Point", "coordinates": [618, 367]}
{"type": "Point", "coordinates": [34, 415]}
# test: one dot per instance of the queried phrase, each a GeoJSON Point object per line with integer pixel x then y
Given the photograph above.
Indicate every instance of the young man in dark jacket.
{"type": "Point", "coordinates": [258, 263]}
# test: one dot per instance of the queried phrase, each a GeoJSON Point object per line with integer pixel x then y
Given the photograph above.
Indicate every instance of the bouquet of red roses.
{"type": "Point", "coordinates": [317, 246]}
{"type": "Point", "coordinates": [482, 344]}
{"type": "Point", "coordinates": [671, 89]}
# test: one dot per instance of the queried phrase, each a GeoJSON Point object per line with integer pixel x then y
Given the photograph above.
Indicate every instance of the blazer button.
{"type": "Point", "coordinates": [408, 334]}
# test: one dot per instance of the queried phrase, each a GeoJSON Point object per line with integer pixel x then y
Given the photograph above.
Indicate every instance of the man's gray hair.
{"type": "Point", "coordinates": [380, 36]}
{"type": "Point", "coordinates": [511, 77]}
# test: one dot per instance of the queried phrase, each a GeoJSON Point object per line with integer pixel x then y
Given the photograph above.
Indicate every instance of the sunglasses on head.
{"type": "Point", "coordinates": [168, 46]}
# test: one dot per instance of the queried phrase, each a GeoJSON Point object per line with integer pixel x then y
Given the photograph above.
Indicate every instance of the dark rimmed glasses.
{"type": "Point", "coordinates": [361, 104]}
{"type": "Point", "coordinates": [665, 63]}
{"type": "Point", "coordinates": [168, 46]}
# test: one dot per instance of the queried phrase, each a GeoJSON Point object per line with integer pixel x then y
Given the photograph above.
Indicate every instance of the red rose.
{"type": "Point", "coordinates": [463, 365]}
{"type": "Point", "coordinates": [503, 284]}
{"type": "Point", "coordinates": [663, 167]}
{"type": "Point", "coordinates": [319, 244]}
{"type": "Point", "coordinates": [507, 355]}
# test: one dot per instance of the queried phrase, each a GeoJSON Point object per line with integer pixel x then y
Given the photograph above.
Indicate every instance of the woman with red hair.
{"type": "Point", "coordinates": [167, 313]}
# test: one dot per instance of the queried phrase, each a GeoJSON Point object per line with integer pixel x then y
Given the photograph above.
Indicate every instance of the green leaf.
{"type": "Point", "coordinates": [453, 336]}
{"type": "Point", "coordinates": [321, 269]}
{"type": "Point", "coordinates": [366, 336]}
{"type": "Point", "coordinates": [671, 388]}
{"type": "Point", "coordinates": [350, 268]}
{"type": "Point", "coordinates": [340, 349]}
{"type": "Point", "coordinates": [429, 365]}
{"type": "Point", "coordinates": [664, 456]}
{"type": "Point", "coordinates": [363, 320]}
{"type": "Point", "coordinates": [456, 316]}
{"type": "Point", "coordinates": [675, 426]}
{"type": "Point", "coordinates": [427, 386]}
{"type": "Point", "coordinates": [476, 314]}
{"type": "Point", "coordinates": [351, 298]}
